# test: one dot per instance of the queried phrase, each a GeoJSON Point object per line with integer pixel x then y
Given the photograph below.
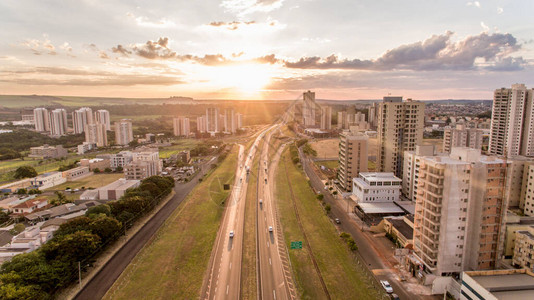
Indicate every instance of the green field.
{"type": "Point", "coordinates": [94, 181]}
{"type": "Point", "coordinates": [331, 164]}
{"type": "Point", "coordinates": [336, 264]}
{"type": "Point", "coordinates": [8, 167]}
{"type": "Point", "coordinates": [181, 145]}
{"type": "Point", "coordinates": [173, 265]}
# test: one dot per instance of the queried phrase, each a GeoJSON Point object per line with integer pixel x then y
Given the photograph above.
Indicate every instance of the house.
{"type": "Point", "coordinates": [30, 206]}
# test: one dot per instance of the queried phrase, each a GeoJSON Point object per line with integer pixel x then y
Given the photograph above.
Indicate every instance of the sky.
{"type": "Point", "coordinates": [266, 49]}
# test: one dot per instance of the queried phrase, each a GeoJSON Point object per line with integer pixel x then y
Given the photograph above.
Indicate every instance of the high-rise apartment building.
{"type": "Point", "coordinates": [80, 118]}
{"type": "Point", "coordinates": [512, 122]}
{"type": "Point", "coordinates": [462, 137]}
{"type": "Point", "coordinates": [97, 134]}
{"type": "Point", "coordinates": [400, 128]}
{"type": "Point", "coordinates": [212, 120]}
{"type": "Point", "coordinates": [181, 126]}
{"type": "Point", "coordinates": [459, 213]}
{"type": "Point", "coordinates": [352, 157]}
{"type": "Point", "coordinates": [373, 114]}
{"type": "Point", "coordinates": [230, 125]}
{"type": "Point", "coordinates": [41, 119]}
{"type": "Point", "coordinates": [102, 117]}
{"type": "Point", "coordinates": [410, 170]}
{"type": "Point", "coordinates": [308, 109]}
{"type": "Point", "coordinates": [326, 118]}
{"type": "Point", "coordinates": [239, 120]}
{"type": "Point", "coordinates": [123, 132]}
{"type": "Point", "coordinates": [201, 124]}
{"type": "Point", "coordinates": [58, 122]}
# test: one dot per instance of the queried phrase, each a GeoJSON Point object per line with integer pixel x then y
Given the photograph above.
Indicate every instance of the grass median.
{"type": "Point", "coordinates": [173, 264]}
{"type": "Point", "coordinates": [338, 268]}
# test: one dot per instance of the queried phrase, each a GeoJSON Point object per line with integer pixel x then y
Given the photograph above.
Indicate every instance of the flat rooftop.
{"type": "Point", "coordinates": [379, 176]}
{"type": "Point", "coordinates": [506, 284]}
{"type": "Point", "coordinates": [380, 208]}
{"type": "Point", "coordinates": [120, 184]}
{"type": "Point", "coordinates": [402, 227]}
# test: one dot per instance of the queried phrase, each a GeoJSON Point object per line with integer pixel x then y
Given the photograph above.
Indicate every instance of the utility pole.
{"type": "Point", "coordinates": [80, 275]}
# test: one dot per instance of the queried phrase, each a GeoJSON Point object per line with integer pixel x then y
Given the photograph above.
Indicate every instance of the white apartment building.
{"type": "Point", "coordinates": [371, 187]}
{"type": "Point", "coordinates": [352, 157]}
{"type": "Point", "coordinates": [80, 118]}
{"type": "Point", "coordinates": [400, 128]}
{"type": "Point", "coordinates": [41, 118]}
{"type": "Point", "coordinates": [326, 118]}
{"type": "Point", "coordinates": [512, 122]}
{"type": "Point", "coordinates": [524, 248]}
{"type": "Point", "coordinates": [308, 109]}
{"type": "Point", "coordinates": [239, 120]}
{"type": "Point", "coordinates": [462, 137]}
{"type": "Point", "coordinates": [120, 159]}
{"type": "Point", "coordinates": [58, 122]}
{"type": "Point", "coordinates": [230, 125]}
{"type": "Point", "coordinates": [410, 170]}
{"type": "Point", "coordinates": [212, 120]}
{"type": "Point", "coordinates": [123, 132]}
{"type": "Point", "coordinates": [145, 163]}
{"type": "Point", "coordinates": [102, 117]}
{"type": "Point", "coordinates": [96, 134]}
{"type": "Point", "coordinates": [181, 126]}
{"type": "Point", "coordinates": [201, 124]}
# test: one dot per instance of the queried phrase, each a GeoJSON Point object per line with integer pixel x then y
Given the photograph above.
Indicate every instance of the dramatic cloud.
{"type": "Point", "coordinates": [244, 7]}
{"type": "Point", "coordinates": [155, 49]}
{"type": "Point", "coordinates": [436, 53]}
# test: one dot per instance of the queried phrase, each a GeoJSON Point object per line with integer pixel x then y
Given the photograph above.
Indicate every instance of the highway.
{"type": "Point", "coordinates": [273, 277]}
{"type": "Point", "coordinates": [225, 269]}
{"type": "Point", "coordinates": [97, 287]}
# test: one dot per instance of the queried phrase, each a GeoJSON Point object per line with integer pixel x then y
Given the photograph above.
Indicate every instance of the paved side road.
{"type": "Point", "coordinates": [104, 279]}
{"type": "Point", "coordinates": [374, 259]}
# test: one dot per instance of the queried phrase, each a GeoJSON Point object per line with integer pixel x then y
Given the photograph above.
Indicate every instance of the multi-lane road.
{"type": "Point", "coordinates": [273, 279]}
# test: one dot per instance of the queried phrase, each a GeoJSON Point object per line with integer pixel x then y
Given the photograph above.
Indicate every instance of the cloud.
{"type": "Point", "coordinates": [474, 3]}
{"type": "Point", "coordinates": [146, 22]}
{"type": "Point", "coordinates": [500, 10]}
{"type": "Point", "coordinates": [435, 53]}
{"type": "Point", "coordinates": [39, 47]}
{"type": "Point", "coordinates": [155, 49]}
{"type": "Point", "coordinates": [484, 26]}
{"type": "Point", "coordinates": [231, 25]}
{"type": "Point", "coordinates": [244, 7]}
{"type": "Point", "coordinates": [101, 53]}
{"type": "Point", "coordinates": [120, 49]}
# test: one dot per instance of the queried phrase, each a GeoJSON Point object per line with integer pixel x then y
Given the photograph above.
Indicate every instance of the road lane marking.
{"type": "Point", "coordinates": [230, 266]}
{"type": "Point", "coordinates": [274, 294]}
{"type": "Point", "coordinates": [270, 261]}
{"type": "Point", "coordinates": [227, 287]}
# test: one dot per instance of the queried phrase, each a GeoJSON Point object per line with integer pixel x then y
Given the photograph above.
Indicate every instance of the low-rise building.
{"type": "Point", "coordinates": [48, 180]}
{"type": "Point", "coordinates": [46, 151]}
{"type": "Point", "coordinates": [95, 163]}
{"type": "Point", "coordinates": [77, 173]}
{"type": "Point", "coordinates": [140, 170]}
{"type": "Point", "coordinates": [400, 228]}
{"type": "Point", "coordinates": [524, 248]}
{"type": "Point", "coordinates": [497, 284]}
{"type": "Point", "coordinates": [376, 187]}
{"type": "Point", "coordinates": [9, 202]}
{"type": "Point", "coordinates": [115, 190]}
{"type": "Point", "coordinates": [86, 146]}
{"type": "Point", "coordinates": [30, 206]}
{"type": "Point", "coordinates": [13, 187]}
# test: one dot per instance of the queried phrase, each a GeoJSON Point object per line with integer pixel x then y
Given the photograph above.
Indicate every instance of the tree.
{"type": "Point", "coordinates": [107, 170]}
{"type": "Point", "coordinates": [320, 197]}
{"type": "Point", "coordinates": [25, 172]}
{"type": "Point", "coordinates": [22, 192]}
{"type": "Point", "coordinates": [60, 199]}
{"type": "Point", "coordinates": [4, 216]}
{"type": "Point", "coordinates": [18, 228]}
{"type": "Point", "coordinates": [96, 170]}
{"type": "Point", "coordinates": [118, 169]}
{"type": "Point", "coordinates": [328, 208]}
{"type": "Point", "coordinates": [133, 144]}
{"type": "Point", "coordinates": [99, 209]}
{"type": "Point", "coordinates": [105, 227]}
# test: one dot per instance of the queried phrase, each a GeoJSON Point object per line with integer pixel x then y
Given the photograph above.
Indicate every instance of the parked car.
{"type": "Point", "coordinates": [395, 297]}
{"type": "Point", "coordinates": [337, 221]}
{"type": "Point", "coordinates": [231, 234]}
{"type": "Point", "coordinates": [385, 284]}
{"type": "Point", "coordinates": [261, 202]}
{"type": "Point", "coordinates": [265, 180]}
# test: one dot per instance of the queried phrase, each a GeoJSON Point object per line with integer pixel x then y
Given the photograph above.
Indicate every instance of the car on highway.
{"type": "Point", "coordinates": [385, 284]}
{"type": "Point", "coordinates": [337, 221]}
{"type": "Point", "coordinates": [395, 297]}
{"type": "Point", "coordinates": [265, 180]}
{"type": "Point", "coordinates": [261, 202]}
{"type": "Point", "coordinates": [231, 234]}
{"type": "Point", "coordinates": [270, 228]}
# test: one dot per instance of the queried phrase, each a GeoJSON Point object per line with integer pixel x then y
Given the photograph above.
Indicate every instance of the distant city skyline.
{"type": "Point", "coordinates": [265, 49]}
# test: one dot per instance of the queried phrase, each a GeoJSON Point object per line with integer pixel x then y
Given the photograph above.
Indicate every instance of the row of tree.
{"type": "Point", "coordinates": [42, 273]}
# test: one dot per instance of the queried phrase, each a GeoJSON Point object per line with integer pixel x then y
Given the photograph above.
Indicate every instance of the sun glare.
{"type": "Point", "coordinates": [244, 78]}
